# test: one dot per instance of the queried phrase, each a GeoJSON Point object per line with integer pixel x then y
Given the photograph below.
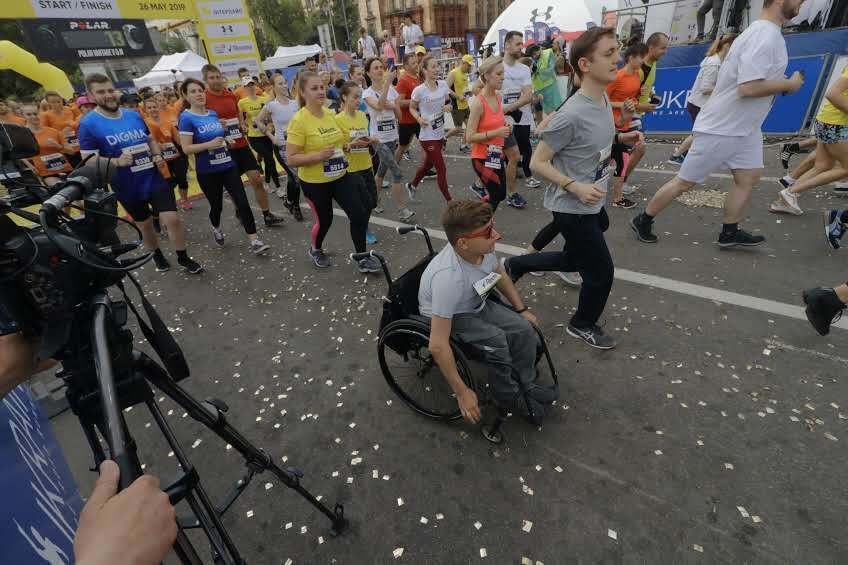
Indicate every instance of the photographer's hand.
{"type": "Point", "coordinates": [17, 362]}
{"type": "Point", "coordinates": [135, 527]}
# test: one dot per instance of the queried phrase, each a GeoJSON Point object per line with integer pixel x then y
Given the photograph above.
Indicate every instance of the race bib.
{"type": "Point", "coordinates": [436, 121]}
{"type": "Point", "coordinates": [53, 162]}
{"type": "Point", "coordinates": [219, 156]}
{"type": "Point", "coordinates": [169, 150]}
{"type": "Point", "coordinates": [510, 96]}
{"type": "Point", "coordinates": [604, 169]}
{"type": "Point", "coordinates": [386, 126]}
{"type": "Point", "coordinates": [494, 157]}
{"type": "Point", "coordinates": [141, 158]}
{"type": "Point", "coordinates": [336, 165]}
{"type": "Point", "coordinates": [485, 285]}
{"type": "Point", "coordinates": [72, 139]}
{"type": "Point", "coordinates": [233, 130]}
{"type": "Point", "coordinates": [281, 149]}
{"type": "Point", "coordinates": [357, 134]}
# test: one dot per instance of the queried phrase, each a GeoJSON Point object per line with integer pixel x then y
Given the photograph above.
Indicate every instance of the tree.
{"type": "Point", "coordinates": [12, 84]}
{"type": "Point", "coordinates": [342, 11]}
{"type": "Point", "coordinates": [172, 43]}
{"type": "Point", "coordinates": [280, 22]}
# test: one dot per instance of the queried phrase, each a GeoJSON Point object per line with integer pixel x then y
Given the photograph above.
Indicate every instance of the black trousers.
{"type": "Point", "coordinates": [493, 179]}
{"type": "Point", "coordinates": [545, 236]}
{"type": "Point", "coordinates": [292, 183]}
{"type": "Point", "coordinates": [213, 186]}
{"type": "Point", "coordinates": [586, 252]}
{"type": "Point", "coordinates": [347, 191]}
{"type": "Point", "coordinates": [179, 172]}
{"type": "Point", "coordinates": [522, 138]}
{"type": "Point", "coordinates": [265, 149]}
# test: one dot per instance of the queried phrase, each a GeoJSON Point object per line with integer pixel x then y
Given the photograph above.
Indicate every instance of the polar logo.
{"type": "Point", "coordinates": [210, 127]}
{"type": "Point", "coordinates": [133, 135]}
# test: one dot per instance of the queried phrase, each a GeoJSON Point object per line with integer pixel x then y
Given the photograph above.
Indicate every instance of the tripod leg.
{"type": "Point", "coordinates": [215, 421]}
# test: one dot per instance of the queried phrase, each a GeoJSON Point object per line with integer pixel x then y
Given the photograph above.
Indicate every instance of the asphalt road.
{"type": "Point", "coordinates": [713, 434]}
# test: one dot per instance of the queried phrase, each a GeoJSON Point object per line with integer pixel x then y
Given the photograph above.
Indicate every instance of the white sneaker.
{"type": "Point", "coordinates": [841, 185]}
{"type": "Point", "coordinates": [792, 200]}
{"type": "Point", "coordinates": [532, 183]}
{"type": "Point", "coordinates": [537, 273]}
{"type": "Point", "coordinates": [781, 207]}
{"type": "Point", "coordinates": [405, 214]}
{"type": "Point", "coordinates": [386, 184]}
{"type": "Point", "coordinates": [571, 279]}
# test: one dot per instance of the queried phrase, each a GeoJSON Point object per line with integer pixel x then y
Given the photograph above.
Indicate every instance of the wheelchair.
{"type": "Point", "coordinates": [405, 359]}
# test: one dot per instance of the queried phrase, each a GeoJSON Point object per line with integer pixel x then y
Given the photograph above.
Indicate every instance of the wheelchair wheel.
{"type": "Point", "coordinates": [413, 374]}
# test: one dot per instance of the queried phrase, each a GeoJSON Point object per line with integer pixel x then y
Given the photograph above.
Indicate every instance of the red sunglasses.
{"type": "Point", "coordinates": [484, 232]}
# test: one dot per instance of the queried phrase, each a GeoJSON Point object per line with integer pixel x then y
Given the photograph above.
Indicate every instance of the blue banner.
{"type": "Point", "coordinates": [787, 115]}
{"type": "Point", "coordinates": [41, 504]}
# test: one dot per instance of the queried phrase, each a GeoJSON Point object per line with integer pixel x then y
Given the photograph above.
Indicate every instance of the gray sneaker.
{"type": "Point", "coordinates": [259, 247]}
{"type": "Point", "coordinates": [594, 336]}
{"type": "Point", "coordinates": [411, 191]}
{"type": "Point", "coordinates": [369, 265]}
{"type": "Point", "coordinates": [571, 279]}
{"type": "Point", "coordinates": [405, 214]}
{"type": "Point", "coordinates": [320, 260]}
{"type": "Point", "coordinates": [532, 183]}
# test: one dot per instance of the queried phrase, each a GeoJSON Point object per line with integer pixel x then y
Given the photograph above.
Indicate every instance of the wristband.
{"type": "Point", "coordinates": [522, 310]}
{"type": "Point", "coordinates": [566, 185]}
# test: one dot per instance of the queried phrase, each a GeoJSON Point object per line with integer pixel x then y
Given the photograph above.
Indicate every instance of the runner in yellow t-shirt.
{"type": "Point", "coordinates": [250, 106]}
{"type": "Point", "coordinates": [461, 92]}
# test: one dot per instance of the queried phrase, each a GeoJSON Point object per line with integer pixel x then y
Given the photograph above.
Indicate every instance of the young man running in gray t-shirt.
{"type": "Point", "coordinates": [574, 156]}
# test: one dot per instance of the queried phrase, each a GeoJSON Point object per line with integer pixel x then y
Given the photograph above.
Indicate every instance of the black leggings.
{"type": "Point", "coordinates": [292, 183]}
{"type": "Point", "coordinates": [346, 191]}
{"type": "Point", "coordinates": [265, 149]}
{"type": "Point", "coordinates": [179, 172]}
{"type": "Point", "coordinates": [213, 185]}
{"type": "Point", "coordinates": [494, 180]}
{"type": "Point", "coordinates": [522, 138]}
{"type": "Point", "coordinates": [545, 236]}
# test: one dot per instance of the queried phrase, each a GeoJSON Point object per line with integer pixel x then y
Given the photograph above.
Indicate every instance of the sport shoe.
{"type": "Point", "coordinates": [841, 187]}
{"type": "Point", "coordinates": [370, 238]}
{"type": "Point", "coordinates": [676, 159]}
{"type": "Point", "coordinates": [320, 260]}
{"type": "Point", "coordinates": [784, 184]}
{"type": "Point", "coordinates": [294, 210]}
{"type": "Point", "coordinates": [625, 203]}
{"type": "Point", "coordinates": [259, 247]}
{"type": "Point", "coordinates": [571, 279]}
{"type": "Point", "coordinates": [516, 200]}
{"type": "Point", "coordinates": [628, 189]}
{"type": "Point", "coordinates": [739, 238]}
{"type": "Point", "coordinates": [431, 174]}
{"type": "Point", "coordinates": [406, 156]}
{"type": "Point", "coordinates": [786, 152]}
{"type": "Point", "coordinates": [281, 192]}
{"type": "Point", "coordinates": [823, 308]}
{"type": "Point", "coordinates": [533, 183]}
{"type": "Point", "coordinates": [405, 214]}
{"type": "Point", "coordinates": [162, 263]}
{"type": "Point", "coordinates": [385, 184]}
{"type": "Point", "coordinates": [478, 191]}
{"type": "Point", "coordinates": [368, 265]}
{"type": "Point", "coordinates": [792, 200]}
{"type": "Point", "coordinates": [594, 336]}
{"type": "Point", "coordinates": [833, 228]}
{"type": "Point", "coordinates": [190, 265]}
{"type": "Point", "coordinates": [378, 209]}
{"type": "Point", "coordinates": [781, 207]}
{"type": "Point", "coordinates": [411, 191]}
{"type": "Point", "coordinates": [271, 219]}
{"type": "Point", "coordinates": [218, 234]}
{"type": "Point", "coordinates": [642, 228]}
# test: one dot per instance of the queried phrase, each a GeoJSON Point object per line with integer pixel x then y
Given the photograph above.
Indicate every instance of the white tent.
{"type": "Point", "coordinates": [531, 16]}
{"type": "Point", "coordinates": [288, 56]}
{"type": "Point", "coordinates": [169, 68]}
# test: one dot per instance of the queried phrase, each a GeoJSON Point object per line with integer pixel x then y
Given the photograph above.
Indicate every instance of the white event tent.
{"type": "Point", "coordinates": [169, 68]}
{"type": "Point", "coordinates": [287, 56]}
{"type": "Point", "coordinates": [570, 17]}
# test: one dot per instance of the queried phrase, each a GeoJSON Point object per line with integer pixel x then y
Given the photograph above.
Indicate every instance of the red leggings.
{"type": "Point", "coordinates": [433, 158]}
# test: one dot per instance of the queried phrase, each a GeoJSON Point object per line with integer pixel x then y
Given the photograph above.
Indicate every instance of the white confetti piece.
{"type": "Point", "coordinates": [697, 548]}
{"type": "Point", "coordinates": [400, 501]}
{"type": "Point", "coordinates": [356, 461]}
{"type": "Point", "coordinates": [728, 466]}
{"type": "Point", "coordinates": [742, 511]}
{"type": "Point", "coordinates": [478, 525]}
{"type": "Point", "coordinates": [397, 552]}
{"type": "Point", "coordinates": [440, 516]}
{"type": "Point", "coordinates": [269, 486]}
{"type": "Point", "coordinates": [288, 525]}
{"type": "Point", "coordinates": [196, 443]}
{"type": "Point", "coordinates": [766, 352]}
{"type": "Point", "coordinates": [612, 534]}
{"type": "Point", "coordinates": [289, 562]}
{"type": "Point", "coordinates": [351, 425]}
{"type": "Point", "coordinates": [657, 452]}
{"type": "Point", "coordinates": [527, 526]}
{"type": "Point", "coordinates": [756, 519]}
{"type": "Point", "coordinates": [699, 442]}
{"type": "Point", "coordinates": [830, 436]}
{"type": "Point", "coordinates": [303, 529]}
{"type": "Point", "coordinates": [558, 469]}
{"type": "Point", "coordinates": [424, 520]}
{"type": "Point", "coordinates": [375, 474]}
{"type": "Point", "coordinates": [525, 561]}
{"type": "Point", "coordinates": [335, 474]}
{"type": "Point", "coordinates": [538, 467]}
{"type": "Point", "coordinates": [483, 553]}
{"type": "Point", "coordinates": [350, 480]}
{"type": "Point", "coordinates": [320, 540]}
{"type": "Point", "coordinates": [249, 513]}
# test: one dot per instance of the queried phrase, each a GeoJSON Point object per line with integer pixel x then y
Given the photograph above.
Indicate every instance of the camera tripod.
{"type": "Point", "coordinates": [104, 375]}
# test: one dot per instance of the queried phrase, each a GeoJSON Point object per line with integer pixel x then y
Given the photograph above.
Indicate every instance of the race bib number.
{"type": "Point", "coordinates": [72, 139]}
{"type": "Point", "coordinates": [510, 96]}
{"type": "Point", "coordinates": [335, 166]}
{"type": "Point", "coordinates": [219, 156]}
{"type": "Point", "coordinates": [53, 162]}
{"type": "Point", "coordinates": [358, 134]}
{"type": "Point", "coordinates": [494, 157]}
{"type": "Point", "coordinates": [169, 150]}
{"type": "Point", "coordinates": [467, 94]}
{"type": "Point", "coordinates": [386, 126]}
{"type": "Point", "coordinates": [604, 169]}
{"type": "Point", "coordinates": [281, 149]}
{"type": "Point", "coordinates": [141, 158]}
{"type": "Point", "coordinates": [485, 285]}
{"type": "Point", "coordinates": [233, 130]}
{"type": "Point", "coordinates": [436, 121]}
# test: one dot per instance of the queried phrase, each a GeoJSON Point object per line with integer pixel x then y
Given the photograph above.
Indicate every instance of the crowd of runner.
{"type": "Point", "coordinates": [340, 137]}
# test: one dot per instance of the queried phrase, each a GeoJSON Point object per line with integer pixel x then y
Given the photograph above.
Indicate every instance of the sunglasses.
{"type": "Point", "coordinates": [486, 232]}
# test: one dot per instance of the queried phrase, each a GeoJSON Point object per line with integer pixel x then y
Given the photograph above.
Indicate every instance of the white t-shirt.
{"type": "Point", "coordinates": [516, 77]}
{"type": "Point", "coordinates": [412, 35]}
{"type": "Point", "coordinates": [431, 106]}
{"type": "Point", "coordinates": [383, 124]}
{"type": "Point", "coordinates": [758, 53]}
{"type": "Point", "coordinates": [281, 115]}
{"type": "Point", "coordinates": [367, 46]}
{"type": "Point", "coordinates": [706, 80]}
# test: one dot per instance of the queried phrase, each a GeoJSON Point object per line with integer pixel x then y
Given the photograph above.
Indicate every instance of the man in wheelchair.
{"type": "Point", "coordinates": [455, 294]}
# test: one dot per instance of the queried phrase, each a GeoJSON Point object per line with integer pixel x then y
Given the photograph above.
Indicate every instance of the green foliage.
{"type": "Point", "coordinates": [171, 44]}
{"type": "Point", "coordinates": [285, 23]}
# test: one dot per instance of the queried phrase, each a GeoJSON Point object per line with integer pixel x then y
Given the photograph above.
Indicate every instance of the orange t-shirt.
{"type": "Point", "coordinates": [241, 92]}
{"type": "Point", "coordinates": [59, 123]}
{"type": "Point", "coordinates": [11, 118]}
{"type": "Point", "coordinates": [50, 161]}
{"type": "Point", "coordinates": [624, 87]}
{"type": "Point", "coordinates": [165, 134]}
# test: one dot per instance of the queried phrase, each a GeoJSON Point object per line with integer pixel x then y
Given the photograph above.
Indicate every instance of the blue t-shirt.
{"type": "Point", "coordinates": [203, 128]}
{"type": "Point", "coordinates": [109, 137]}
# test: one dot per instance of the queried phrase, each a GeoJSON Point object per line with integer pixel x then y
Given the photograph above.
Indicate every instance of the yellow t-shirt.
{"type": "Point", "coordinates": [252, 109]}
{"type": "Point", "coordinates": [461, 88]}
{"type": "Point", "coordinates": [830, 114]}
{"type": "Point", "coordinates": [353, 128]}
{"type": "Point", "coordinates": [314, 134]}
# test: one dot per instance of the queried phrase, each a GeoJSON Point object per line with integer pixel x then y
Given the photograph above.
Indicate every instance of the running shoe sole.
{"type": "Point", "coordinates": [262, 250]}
{"type": "Point", "coordinates": [739, 244]}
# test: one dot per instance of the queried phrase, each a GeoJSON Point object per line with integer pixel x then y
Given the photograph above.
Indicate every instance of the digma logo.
{"type": "Point", "coordinates": [89, 25]}
{"type": "Point", "coordinates": [124, 136]}
{"type": "Point", "coordinates": [212, 126]}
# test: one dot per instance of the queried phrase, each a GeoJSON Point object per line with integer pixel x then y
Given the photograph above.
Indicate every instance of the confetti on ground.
{"type": "Point", "coordinates": [249, 513]}
{"type": "Point", "coordinates": [697, 548]}
{"type": "Point", "coordinates": [657, 452]}
{"type": "Point", "coordinates": [558, 469]}
{"type": "Point", "coordinates": [527, 526]}
{"type": "Point", "coordinates": [424, 520]}
{"type": "Point", "coordinates": [288, 525]}
{"type": "Point", "coordinates": [756, 519]}
{"type": "Point", "coordinates": [398, 552]}
{"type": "Point", "coordinates": [320, 540]}
{"type": "Point", "coordinates": [478, 525]}
{"type": "Point", "coordinates": [702, 198]}
{"type": "Point", "coordinates": [440, 516]}
{"type": "Point", "coordinates": [483, 552]}
{"type": "Point", "coordinates": [269, 486]}
{"type": "Point", "coordinates": [742, 511]}
{"type": "Point", "coordinates": [400, 502]}
{"type": "Point", "coordinates": [612, 534]}
{"type": "Point", "coordinates": [728, 466]}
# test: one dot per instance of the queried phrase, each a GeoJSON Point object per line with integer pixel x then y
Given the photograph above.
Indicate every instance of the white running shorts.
{"type": "Point", "coordinates": [710, 152]}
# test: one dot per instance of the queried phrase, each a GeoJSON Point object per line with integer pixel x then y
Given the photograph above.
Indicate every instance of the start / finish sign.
{"type": "Point", "coordinates": [108, 9]}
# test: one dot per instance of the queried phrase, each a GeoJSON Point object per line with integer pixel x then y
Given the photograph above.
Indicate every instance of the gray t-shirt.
{"type": "Point", "coordinates": [581, 135]}
{"type": "Point", "coordinates": [448, 284]}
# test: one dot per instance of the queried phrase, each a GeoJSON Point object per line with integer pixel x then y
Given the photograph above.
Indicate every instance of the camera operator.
{"type": "Point", "coordinates": [120, 139]}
